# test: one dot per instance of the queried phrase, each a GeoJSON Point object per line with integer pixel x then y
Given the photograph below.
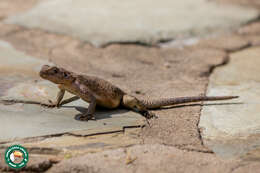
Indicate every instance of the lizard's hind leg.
{"type": "Point", "coordinates": [133, 103]}
{"type": "Point", "coordinates": [89, 115]}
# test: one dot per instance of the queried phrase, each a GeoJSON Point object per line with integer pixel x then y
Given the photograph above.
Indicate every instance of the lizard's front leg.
{"type": "Point", "coordinates": [90, 112]}
{"type": "Point", "coordinates": [58, 99]}
{"type": "Point", "coordinates": [60, 96]}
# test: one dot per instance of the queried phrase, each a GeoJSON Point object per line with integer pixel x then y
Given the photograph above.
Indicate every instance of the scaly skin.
{"type": "Point", "coordinates": [97, 91]}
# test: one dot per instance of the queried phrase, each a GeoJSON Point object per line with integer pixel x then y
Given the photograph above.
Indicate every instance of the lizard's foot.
{"type": "Point", "coordinates": [148, 114]}
{"type": "Point", "coordinates": [85, 117]}
{"type": "Point", "coordinates": [48, 105]}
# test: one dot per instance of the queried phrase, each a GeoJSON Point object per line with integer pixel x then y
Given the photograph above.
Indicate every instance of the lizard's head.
{"type": "Point", "coordinates": [56, 75]}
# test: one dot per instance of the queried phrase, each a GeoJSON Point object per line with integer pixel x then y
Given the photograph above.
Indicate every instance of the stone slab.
{"type": "Point", "coordinates": [20, 121]}
{"type": "Point", "coordinates": [101, 22]}
{"type": "Point", "coordinates": [66, 144]}
{"type": "Point", "coordinates": [237, 119]}
{"type": "Point", "coordinates": [19, 80]}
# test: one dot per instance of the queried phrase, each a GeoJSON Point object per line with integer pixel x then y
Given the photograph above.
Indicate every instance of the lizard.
{"type": "Point", "coordinates": [97, 91]}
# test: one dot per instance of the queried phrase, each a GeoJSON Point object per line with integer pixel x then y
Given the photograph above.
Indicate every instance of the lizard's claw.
{"type": "Point", "coordinates": [85, 117]}
{"type": "Point", "coordinates": [50, 105]}
{"type": "Point", "coordinates": [57, 105]}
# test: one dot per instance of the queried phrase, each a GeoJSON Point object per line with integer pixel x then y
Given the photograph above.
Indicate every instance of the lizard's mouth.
{"type": "Point", "coordinates": [42, 74]}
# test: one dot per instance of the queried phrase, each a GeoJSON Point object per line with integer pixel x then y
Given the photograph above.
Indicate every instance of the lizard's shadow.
{"type": "Point", "coordinates": [100, 113]}
{"type": "Point", "coordinates": [103, 113]}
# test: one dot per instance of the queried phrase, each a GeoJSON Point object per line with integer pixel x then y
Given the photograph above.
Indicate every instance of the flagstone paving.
{"type": "Point", "coordinates": [215, 137]}
{"type": "Point", "coordinates": [101, 23]}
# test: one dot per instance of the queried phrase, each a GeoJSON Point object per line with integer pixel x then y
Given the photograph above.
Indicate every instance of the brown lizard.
{"type": "Point", "coordinates": [97, 91]}
{"type": "Point", "coordinates": [100, 92]}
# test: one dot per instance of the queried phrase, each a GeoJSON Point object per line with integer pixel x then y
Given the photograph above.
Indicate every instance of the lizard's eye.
{"type": "Point", "coordinates": [65, 74]}
{"type": "Point", "coordinates": [55, 71]}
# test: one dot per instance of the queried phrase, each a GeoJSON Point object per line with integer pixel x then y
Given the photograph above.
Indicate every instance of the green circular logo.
{"type": "Point", "coordinates": [16, 156]}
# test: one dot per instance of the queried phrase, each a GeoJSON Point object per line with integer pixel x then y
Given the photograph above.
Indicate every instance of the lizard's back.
{"type": "Point", "coordinates": [106, 94]}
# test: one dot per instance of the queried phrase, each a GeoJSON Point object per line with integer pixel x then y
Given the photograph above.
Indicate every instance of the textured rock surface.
{"type": "Point", "coordinates": [145, 158]}
{"type": "Point", "coordinates": [132, 21]}
{"type": "Point", "coordinates": [37, 163]}
{"type": "Point", "coordinates": [240, 118]}
{"type": "Point", "coordinates": [143, 72]}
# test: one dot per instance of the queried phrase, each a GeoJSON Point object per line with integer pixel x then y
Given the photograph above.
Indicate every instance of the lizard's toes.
{"type": "Point", "coordinates": [149, 114]}
{"type": "Point", "coordinates": [48, 105]}
{"type": "Point", "coordinates": [85, 117]}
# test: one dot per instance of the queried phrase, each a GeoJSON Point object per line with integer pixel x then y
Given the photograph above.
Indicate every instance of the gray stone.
{"type": "Point", "coordinates": [101, 22]}
{"type": "Point", "coordinates": [19, 80]}
{"type": "Point", "coordinates": [19, 121]}
{"type": "Point", "coordinates": [238, 119]}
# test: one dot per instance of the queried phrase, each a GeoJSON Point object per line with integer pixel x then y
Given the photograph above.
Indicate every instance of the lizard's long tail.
{"type": "Point", "coordinates": [152, 104]}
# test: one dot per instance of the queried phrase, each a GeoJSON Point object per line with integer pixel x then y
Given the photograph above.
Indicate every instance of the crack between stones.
{"type": "Point", "coordinates": [136, 43]}
{"type": "Point", "coordinates": [184, 148]}
{"type": "Point", "coordinates": [155, 44]}
{"type": "Point", "coordinates": [240, 48]}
